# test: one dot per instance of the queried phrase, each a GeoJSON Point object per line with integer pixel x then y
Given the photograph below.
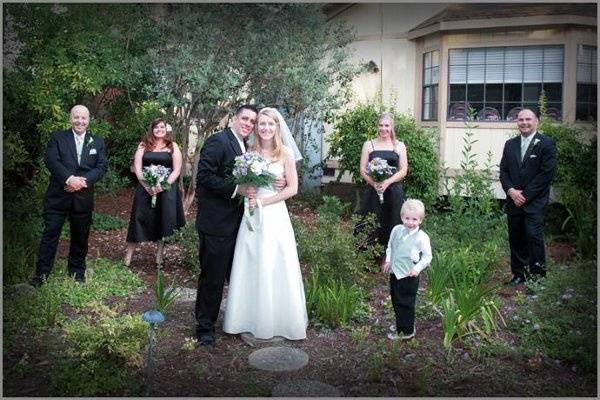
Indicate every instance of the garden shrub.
{"type": "Point", "coordinates": [575, 183]}
{"type": "Point", "coordinates": [358, 125]}
{"type": "Point", "coordinates": [104, 354]}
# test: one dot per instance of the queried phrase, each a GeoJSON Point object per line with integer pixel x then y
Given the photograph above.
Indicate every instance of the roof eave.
{"type": "Point", "coordinates": [487, 23]}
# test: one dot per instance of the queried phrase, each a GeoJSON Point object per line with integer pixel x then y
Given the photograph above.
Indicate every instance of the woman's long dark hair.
{"type": "Point", "coordinates": [149, 141]}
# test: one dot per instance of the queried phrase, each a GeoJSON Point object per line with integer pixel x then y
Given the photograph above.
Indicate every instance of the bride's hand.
{"type": "Point", "coordinates": [252, 203]}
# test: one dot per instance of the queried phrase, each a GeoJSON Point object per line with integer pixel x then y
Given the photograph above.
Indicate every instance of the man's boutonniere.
{"type": "Point", "coordinates": [536, 141]}
{"type": "Point", "coordinates": [90, 140]}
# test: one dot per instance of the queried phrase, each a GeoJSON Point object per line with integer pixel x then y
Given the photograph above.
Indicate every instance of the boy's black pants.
{"type": "Point", "coordinates": [404, 294]}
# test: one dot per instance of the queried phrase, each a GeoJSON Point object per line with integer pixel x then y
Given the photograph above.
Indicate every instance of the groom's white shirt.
{"type": "Point", "coordinates": [243, 147]}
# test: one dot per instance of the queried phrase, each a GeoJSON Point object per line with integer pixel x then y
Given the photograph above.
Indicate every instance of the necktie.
{"type": "Point", "coordinates": [524, 145]}
{"type": "Point", "coordinates": [79, 145]}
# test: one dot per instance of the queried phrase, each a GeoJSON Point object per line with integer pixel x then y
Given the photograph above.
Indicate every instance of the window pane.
{"type": "Point", "coordinates": [584, 73]}
{"type": "Point", "coordinates": [475, 73]}
{"type": "Point", "coordinates": [427, 77]}
{"type": "Point", "coordinates": [594, 74]}
{"type": "Point", "coordinates": [477, 106]}
{"type": "Point", "coordinates": [474, 93]}
{"type": "Point", "coordinates": [533, 73]}
{"type": "Point", "coordinates": [512, 92]}
{"type": "Point", "coordinates": [513, 73]}
{"type": "Point", "coordinates": [458, 57]}
{"type": "Point", "coordinates": [553, 72]}
{"type": "Point", "coordinates": [434, 94]}
{"type": "Point", "coordinates": [581, 112]}
{"type": "Point", "coordinates": [583, 92]}
{"type": "Point", "coordinates": [553, 55]}
{"type": "Point", "coordinates": [494, 73]}
{"type": "Point", "coordinates": [513, 56]}
{"type": "Point", "coordinates": [426, 111]}
{"type": "Point", "coordinates": [476, 56]}
{"type": "Point", "coordinates": [584, 54]}
{"type": "Point", "coordinates": [554, 111]}
{"type": "Point", "coordinates": [492, 112]}
{"type": "Point", "coordinates": [494, 56]}
{"type": "Point", "coordinates": [458, 93]}
{"type": "Point", "coordinates": [531, 91]}
{"type": "Point", "coordinates": [427, 94]}
{"type": "Point", "coordinates": [553, 91]}
{"type": "Point", "coordinates": [435, 75]}
{"type": "Point", "coordinates": [594, 93]}
{"type": "Point", "coordinates": [493, 92]}
{"type": "Point", "coordinates": [435, 58]}
{"type": "Point", "coordinates": [533, 55]}
{"type": "Point", "coordinates": [458, 74]}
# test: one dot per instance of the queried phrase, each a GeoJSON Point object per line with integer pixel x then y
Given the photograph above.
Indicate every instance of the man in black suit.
{"type": "Point", "coordinates": [527, 168]}
{"type": "Point", "coordinates": [219, 216]}
{"type": "Point", "coordinates": [76, 160]}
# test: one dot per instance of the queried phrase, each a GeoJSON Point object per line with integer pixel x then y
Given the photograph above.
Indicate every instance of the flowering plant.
{"type": "Point", "coordinates": [379, 170]}
{"type": "Point", "coordinates": [252, 169]}
{"type": "Point", "coordinates": [156, 175]}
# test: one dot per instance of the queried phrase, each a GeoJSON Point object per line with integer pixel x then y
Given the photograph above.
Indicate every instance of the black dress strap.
{"type": "Point", "coordinates": [372, 146]}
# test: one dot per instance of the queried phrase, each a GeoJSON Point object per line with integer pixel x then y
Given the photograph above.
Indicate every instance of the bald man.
{"type": "Point", "coordinates": [527, 168]}
{"type": "Point", "coordinates": [76, 160]}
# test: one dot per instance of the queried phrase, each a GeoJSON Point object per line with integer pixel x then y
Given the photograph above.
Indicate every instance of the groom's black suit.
{"type": "Point", "coordinates": [61, 160]}
{"type": "Point", "coordinates": [217, 222]}
{"type": "Point", "coordinates": [533, 176]}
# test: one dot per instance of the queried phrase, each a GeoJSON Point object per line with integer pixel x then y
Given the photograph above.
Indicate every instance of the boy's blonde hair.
{"type": "Point", "coordinates": [413, 206]}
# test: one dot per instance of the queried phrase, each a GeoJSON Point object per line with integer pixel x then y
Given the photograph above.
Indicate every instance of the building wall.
{"type": "Point", "coordinates": [400, 74]}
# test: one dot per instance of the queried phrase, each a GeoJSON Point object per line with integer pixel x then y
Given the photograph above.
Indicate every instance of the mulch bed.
{"type": "Point", "coordinates": [335, 358]}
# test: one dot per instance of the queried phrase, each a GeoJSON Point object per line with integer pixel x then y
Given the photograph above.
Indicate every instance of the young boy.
{"type": "Point", "coordinates": [408, 253]}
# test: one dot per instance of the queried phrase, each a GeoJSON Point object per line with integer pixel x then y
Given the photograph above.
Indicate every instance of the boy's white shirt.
{"type": "Point", "coordinates": [422, 246]}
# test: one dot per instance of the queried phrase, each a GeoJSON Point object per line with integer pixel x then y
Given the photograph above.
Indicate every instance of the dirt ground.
{"type": "Point", "coordinates": [367, 366]}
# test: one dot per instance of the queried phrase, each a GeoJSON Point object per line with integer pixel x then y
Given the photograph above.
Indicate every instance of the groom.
{"type": "Point", "coordinates": [219, 216]}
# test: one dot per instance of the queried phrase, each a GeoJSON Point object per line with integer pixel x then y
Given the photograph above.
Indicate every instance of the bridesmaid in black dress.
{"type": "Point", "coordinates": [384, 146]}
{"type": "Point", "coordinates": [153, 224]}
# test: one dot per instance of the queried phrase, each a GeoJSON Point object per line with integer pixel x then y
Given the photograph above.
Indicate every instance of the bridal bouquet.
{"type": "Point", "coordinates": [252, 169]}
{"type": "Point", "coordinates": [379, 170]}
{"type": "Point", "coordinates": [156, 175]}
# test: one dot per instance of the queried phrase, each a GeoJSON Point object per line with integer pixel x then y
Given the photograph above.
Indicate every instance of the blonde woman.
{"type": "Point", "coordinates": [266, 294]}
{"type": "Point", "coordinates": [387, 147]}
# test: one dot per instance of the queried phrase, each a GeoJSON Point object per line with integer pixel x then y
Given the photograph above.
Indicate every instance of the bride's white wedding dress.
{"type": "Point", "coordinates": [266, 293]}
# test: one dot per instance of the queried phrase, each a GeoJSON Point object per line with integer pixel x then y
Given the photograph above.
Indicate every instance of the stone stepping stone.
{"type": "Point", "coordinates": [305, 388]}
{"type": "Point", "coordinates": [278, 359]}
{"type": "Point", "coordinates": [253, 341]}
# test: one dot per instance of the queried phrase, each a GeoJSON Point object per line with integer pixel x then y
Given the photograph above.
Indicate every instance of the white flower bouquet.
{"type": "Point", "coordinates": [379, 170]}
{"type": "Point", "coordinates": [156, 175]}
{"type": "Point", "coordinates": [251, 169]}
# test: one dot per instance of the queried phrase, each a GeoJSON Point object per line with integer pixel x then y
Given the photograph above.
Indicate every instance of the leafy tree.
{"type": "Point", "coordinates": [214, 57]}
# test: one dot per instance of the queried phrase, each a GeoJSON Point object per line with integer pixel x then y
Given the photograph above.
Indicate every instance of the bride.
{"type": "Point", "coordinates": [266, 294]}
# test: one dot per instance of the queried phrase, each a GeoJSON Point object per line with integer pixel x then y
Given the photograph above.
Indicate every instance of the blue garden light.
{"type": "Point", "coordinates": [153, 317]}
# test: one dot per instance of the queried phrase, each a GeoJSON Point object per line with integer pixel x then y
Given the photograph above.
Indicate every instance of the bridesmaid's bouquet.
{"type": "Point", "coordinates": [156, 175]}
{"type": "Point", "coordinates": [252, 169]}
{"type": "Point", "coordinates": [379, 170]}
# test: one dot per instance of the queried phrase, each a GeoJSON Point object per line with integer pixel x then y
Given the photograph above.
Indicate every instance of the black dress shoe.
{"type": "Point", "coordinates": [515, 281]}
{"type": "Point", "coordinates": [206, 339]}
